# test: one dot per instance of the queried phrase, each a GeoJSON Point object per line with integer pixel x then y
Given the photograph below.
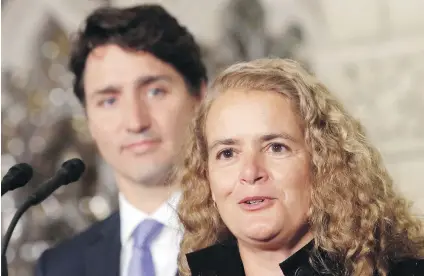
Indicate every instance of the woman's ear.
{"type": "Point", "coordinates": [309, 213]}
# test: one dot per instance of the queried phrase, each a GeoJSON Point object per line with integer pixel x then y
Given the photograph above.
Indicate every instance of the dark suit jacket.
{"type": "Point", "coordinates": [224, 260]}
{"type": "Point", "coordinates": [94, 252]}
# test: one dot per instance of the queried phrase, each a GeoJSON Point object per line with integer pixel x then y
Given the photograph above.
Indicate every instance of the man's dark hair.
{"type": "Point", "coordinates": [148, 28]}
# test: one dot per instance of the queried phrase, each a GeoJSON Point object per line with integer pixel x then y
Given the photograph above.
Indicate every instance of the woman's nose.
{"type": "Point", "coordinates": [253, 171]}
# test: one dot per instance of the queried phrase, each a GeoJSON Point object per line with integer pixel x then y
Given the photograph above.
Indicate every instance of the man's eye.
{"type": "Point", "coordinates": [108, 102]}
{"type": "Point", "coordinates": [152, 92]}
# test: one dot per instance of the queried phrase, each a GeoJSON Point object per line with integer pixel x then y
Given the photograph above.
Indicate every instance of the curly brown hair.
{"type": "Point", "coordinates": [356, 216]}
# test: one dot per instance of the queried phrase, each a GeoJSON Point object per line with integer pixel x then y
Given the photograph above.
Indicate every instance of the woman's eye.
{"type": "Point", "coordinates": [278, 147]}
{"type": "Point", "coordinates": [225, 154]}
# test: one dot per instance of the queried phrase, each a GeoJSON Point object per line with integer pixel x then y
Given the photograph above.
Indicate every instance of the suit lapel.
{"type": "Point", "coordinates": [102, 257]}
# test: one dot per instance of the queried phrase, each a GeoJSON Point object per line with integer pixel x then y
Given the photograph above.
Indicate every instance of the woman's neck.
{"type": "Point", "coordinates": [263, 261]}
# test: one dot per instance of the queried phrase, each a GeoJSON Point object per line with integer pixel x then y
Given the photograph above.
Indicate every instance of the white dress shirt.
{"type": "Point", "coordinates": [165, 247]}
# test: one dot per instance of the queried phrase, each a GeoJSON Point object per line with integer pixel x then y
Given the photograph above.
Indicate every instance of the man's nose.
{"type": "Point", "coordinates": [253, 170]}
{"type": "Point", "coordinates": [136, 116]}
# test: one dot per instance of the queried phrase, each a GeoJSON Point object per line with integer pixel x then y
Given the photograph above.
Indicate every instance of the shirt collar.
{"type": "Point", "coordinates": [131, 216]}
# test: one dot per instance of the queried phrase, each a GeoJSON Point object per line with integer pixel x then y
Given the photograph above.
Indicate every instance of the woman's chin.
{"type": "Point", "coordinates": [258, 233]}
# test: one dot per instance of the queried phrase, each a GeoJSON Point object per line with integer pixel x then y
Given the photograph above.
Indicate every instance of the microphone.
{"type": "Point", "coordinates": [69, 172]}
{"type": "Point", "coordinates": [17, 176]}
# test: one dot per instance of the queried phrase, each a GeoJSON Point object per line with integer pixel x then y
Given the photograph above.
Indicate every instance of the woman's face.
{"type": "Point", "coordinates": [259, 167]}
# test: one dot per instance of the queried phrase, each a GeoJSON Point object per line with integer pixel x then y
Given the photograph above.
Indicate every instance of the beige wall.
{"type": "Point", "coordinates": [370, 53]}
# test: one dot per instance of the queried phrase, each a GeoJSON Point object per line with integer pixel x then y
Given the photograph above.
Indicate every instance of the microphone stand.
{"type": "Point", "coordinates": [70, 171]}
{"type": "Point", "coordinates": [4, 271]}
{"type": "Point", "coordinates": [5, 241]}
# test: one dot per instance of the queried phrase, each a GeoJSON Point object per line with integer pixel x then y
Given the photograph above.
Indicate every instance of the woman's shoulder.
{"type": "Point", "coordinates": [408, 267]}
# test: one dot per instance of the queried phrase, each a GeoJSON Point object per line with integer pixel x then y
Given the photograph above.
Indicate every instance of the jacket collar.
{"type": "Point", "coordinates": [102, 256]}
{"type": "Point", "coordinates": [224, 259]}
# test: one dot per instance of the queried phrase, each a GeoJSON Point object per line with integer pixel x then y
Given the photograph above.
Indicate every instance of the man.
{"type": "Point", "coordinates": [139, 75]}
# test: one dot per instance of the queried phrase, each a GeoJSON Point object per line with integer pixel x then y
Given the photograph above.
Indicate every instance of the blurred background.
{"type": "Point", "coordinates": [370, 53]}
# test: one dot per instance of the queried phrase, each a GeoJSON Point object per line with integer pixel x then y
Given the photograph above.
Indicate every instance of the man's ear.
{"type": "Point", "coordinates": [203, 90]}
{"type": "Point", "coordinates": [89, 124]}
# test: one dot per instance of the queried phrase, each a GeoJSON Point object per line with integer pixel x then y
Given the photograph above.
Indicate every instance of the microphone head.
{"type": "Point", "coordinates": [74, 168]}
{"type": "Point", "coordinates": [21, 173]}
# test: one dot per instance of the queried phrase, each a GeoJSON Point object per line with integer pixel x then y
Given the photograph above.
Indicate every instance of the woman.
{"type": "Point", "coordinates": [278, 179]}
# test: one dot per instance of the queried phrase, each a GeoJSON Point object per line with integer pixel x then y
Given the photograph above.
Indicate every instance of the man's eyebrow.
{"type": "Point", "coordinates": [140, 82]}
{"type": "Point", "coordinates": [110, 89]}
{"type": "Point", "coordinates": [146, 80]}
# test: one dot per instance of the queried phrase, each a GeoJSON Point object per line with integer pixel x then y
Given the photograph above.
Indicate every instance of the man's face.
{"type": "Point", "coordinates": [138, 109]}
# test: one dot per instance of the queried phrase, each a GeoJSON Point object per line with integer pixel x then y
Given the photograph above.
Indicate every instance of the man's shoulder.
{"type": "Point", "coordinates": [65, 254]}
{"type": "Point", "coordinates": [89, 235]}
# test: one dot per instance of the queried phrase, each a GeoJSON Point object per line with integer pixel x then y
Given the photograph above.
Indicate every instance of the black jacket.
{"type": "Point", "coordinates": [95, 252]}
{"type": "Point", "coordinates": [224, 260]}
